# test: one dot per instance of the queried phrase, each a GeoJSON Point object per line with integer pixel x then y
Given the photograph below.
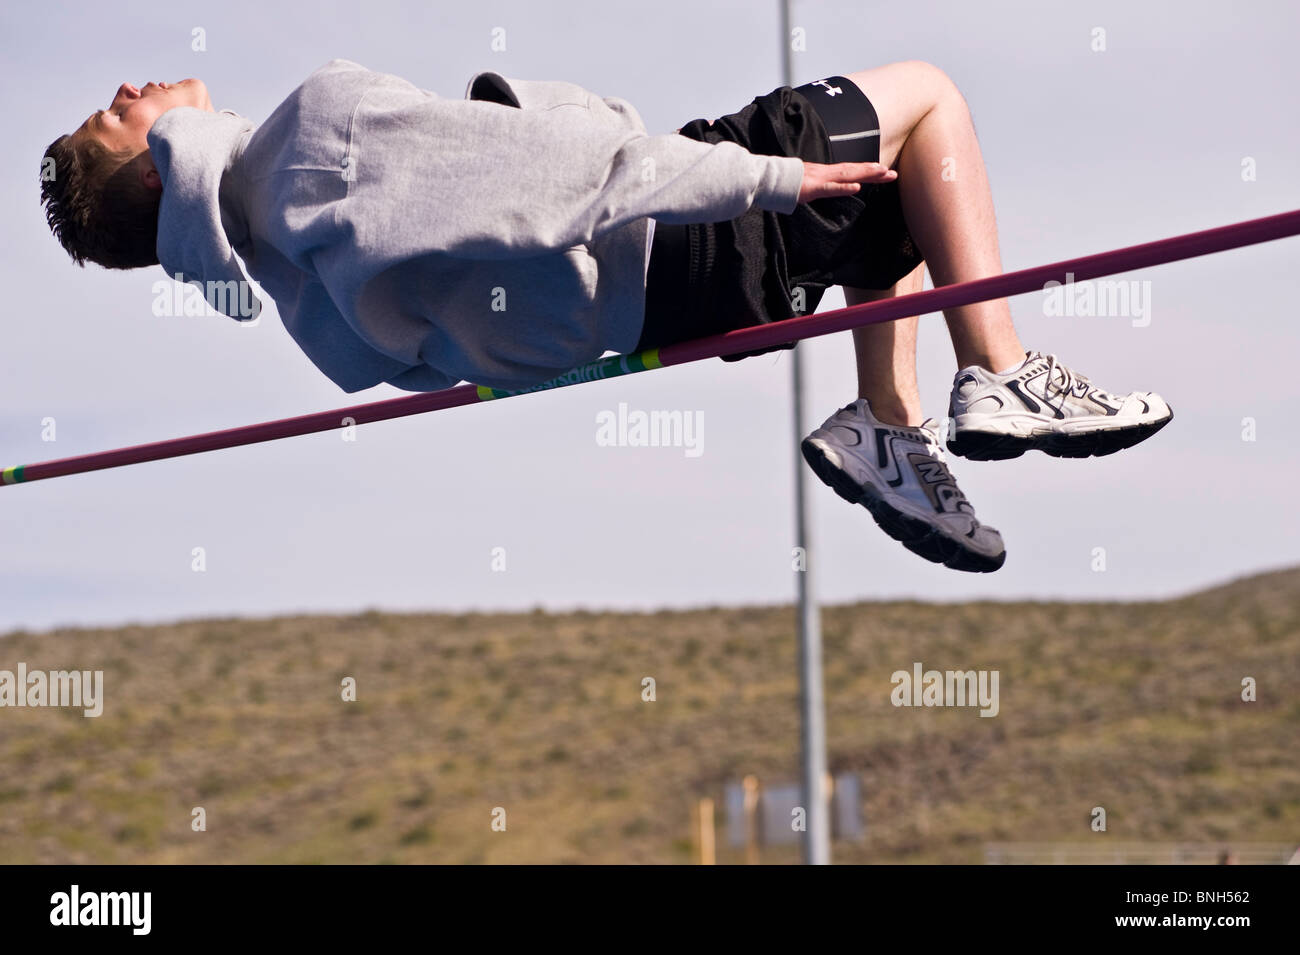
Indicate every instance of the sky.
{"type": "Point", "coordinates": [1185, 120]}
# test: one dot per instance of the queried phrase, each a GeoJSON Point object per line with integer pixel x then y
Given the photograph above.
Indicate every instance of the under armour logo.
{"type": "Point", "coordinates": [830, 90]}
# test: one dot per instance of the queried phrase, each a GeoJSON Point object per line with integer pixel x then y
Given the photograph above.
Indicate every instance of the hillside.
{"type": "Point", "coordinates": [1132, 706]}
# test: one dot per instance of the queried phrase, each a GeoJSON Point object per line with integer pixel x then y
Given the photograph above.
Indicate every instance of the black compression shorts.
{"type": "Point", "coordinates": [708, 278]}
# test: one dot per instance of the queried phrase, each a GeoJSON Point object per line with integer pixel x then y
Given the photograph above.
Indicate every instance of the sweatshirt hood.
{"type": "Point", "coordinates": [194, 152]}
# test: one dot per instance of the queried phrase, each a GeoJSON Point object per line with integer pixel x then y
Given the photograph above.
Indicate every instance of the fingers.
{"type": "Point", "coordinates": [861, 172]}
{"type": "Point", "coordinates": [822, 181]}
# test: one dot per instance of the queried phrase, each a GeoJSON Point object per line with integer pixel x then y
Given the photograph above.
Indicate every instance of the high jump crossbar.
{"type": "Point", "coordinates": [1082, 269]}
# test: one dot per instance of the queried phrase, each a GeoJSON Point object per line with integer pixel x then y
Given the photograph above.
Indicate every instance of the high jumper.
{"type": "Point", "coordinates": [514, 237]}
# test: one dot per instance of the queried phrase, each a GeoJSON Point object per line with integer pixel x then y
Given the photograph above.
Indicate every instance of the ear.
{"type": "Point", "coordinates": [148, 173]}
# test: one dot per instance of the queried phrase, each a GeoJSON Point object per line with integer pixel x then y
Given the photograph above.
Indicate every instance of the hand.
{"type": "Point", "coordinates": [827, 180]}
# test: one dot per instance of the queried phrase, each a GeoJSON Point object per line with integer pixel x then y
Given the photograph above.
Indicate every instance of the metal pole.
{"type": "Point", "coordinates": [812, 707]}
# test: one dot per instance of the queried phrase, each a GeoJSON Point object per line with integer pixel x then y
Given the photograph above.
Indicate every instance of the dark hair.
{"type": "Point", "coordinates": [96, 205]}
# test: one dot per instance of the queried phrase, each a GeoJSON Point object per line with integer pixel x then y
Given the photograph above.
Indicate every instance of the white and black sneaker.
{"type": "Point", "coordinates": [900, 476]}
{"type": "Point", "coordinates": [1043, 405]}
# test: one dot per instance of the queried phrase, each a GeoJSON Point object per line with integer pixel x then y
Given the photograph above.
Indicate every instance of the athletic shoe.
{"type": "Point", "coordinates": [900, 476]}
{"type": "Point", "coordinates": [1044, 405]}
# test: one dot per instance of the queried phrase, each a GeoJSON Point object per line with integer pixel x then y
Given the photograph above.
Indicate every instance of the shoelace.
{"type": "Point", "coordinates": [1069, 379]}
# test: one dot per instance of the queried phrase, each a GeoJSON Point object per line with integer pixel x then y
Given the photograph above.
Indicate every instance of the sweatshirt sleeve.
{"type": "Point", "coordinates": [690, 181]}
{"type": "Point", "coordinates": [481, 180]}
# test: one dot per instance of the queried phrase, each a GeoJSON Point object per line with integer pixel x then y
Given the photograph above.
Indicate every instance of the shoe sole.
{"type": "Point", "coordinates": [914, 534]}
{"type": "Point", "coordinates": [987, 446]}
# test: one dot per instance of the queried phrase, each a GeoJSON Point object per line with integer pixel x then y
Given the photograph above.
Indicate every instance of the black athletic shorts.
{"type": "Point", "coordinates": [709, 278]}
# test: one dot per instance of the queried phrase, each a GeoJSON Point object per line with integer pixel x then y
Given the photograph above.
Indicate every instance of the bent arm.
{"type": "Point", "coordinates": [484, 181]}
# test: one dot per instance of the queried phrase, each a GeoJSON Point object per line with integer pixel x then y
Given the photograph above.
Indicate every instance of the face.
{"type": "Point", "coordinates": [126, 122]}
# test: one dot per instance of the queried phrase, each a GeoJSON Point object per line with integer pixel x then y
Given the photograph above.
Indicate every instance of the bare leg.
{"type": "Point", "coordinates": [928, 136]}
{"type": "Point", "coordinates": [887, 357]}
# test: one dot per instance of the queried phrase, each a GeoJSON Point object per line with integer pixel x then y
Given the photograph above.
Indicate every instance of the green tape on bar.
{"type": "Point", "coordinates": [611, 367]}
{"type": "Point", "coordinates": [13, 475]}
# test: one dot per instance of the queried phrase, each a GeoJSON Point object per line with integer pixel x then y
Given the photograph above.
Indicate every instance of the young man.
{"type": "Point", "coordinates": [529, 228]}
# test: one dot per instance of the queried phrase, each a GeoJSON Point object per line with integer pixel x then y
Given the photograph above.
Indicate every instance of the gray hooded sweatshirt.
{"type": "Point", "coordinates": [501, 239]}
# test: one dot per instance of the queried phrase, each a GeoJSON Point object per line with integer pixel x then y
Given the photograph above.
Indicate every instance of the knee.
{"type": "Point", "coordinates": [938, 86]}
